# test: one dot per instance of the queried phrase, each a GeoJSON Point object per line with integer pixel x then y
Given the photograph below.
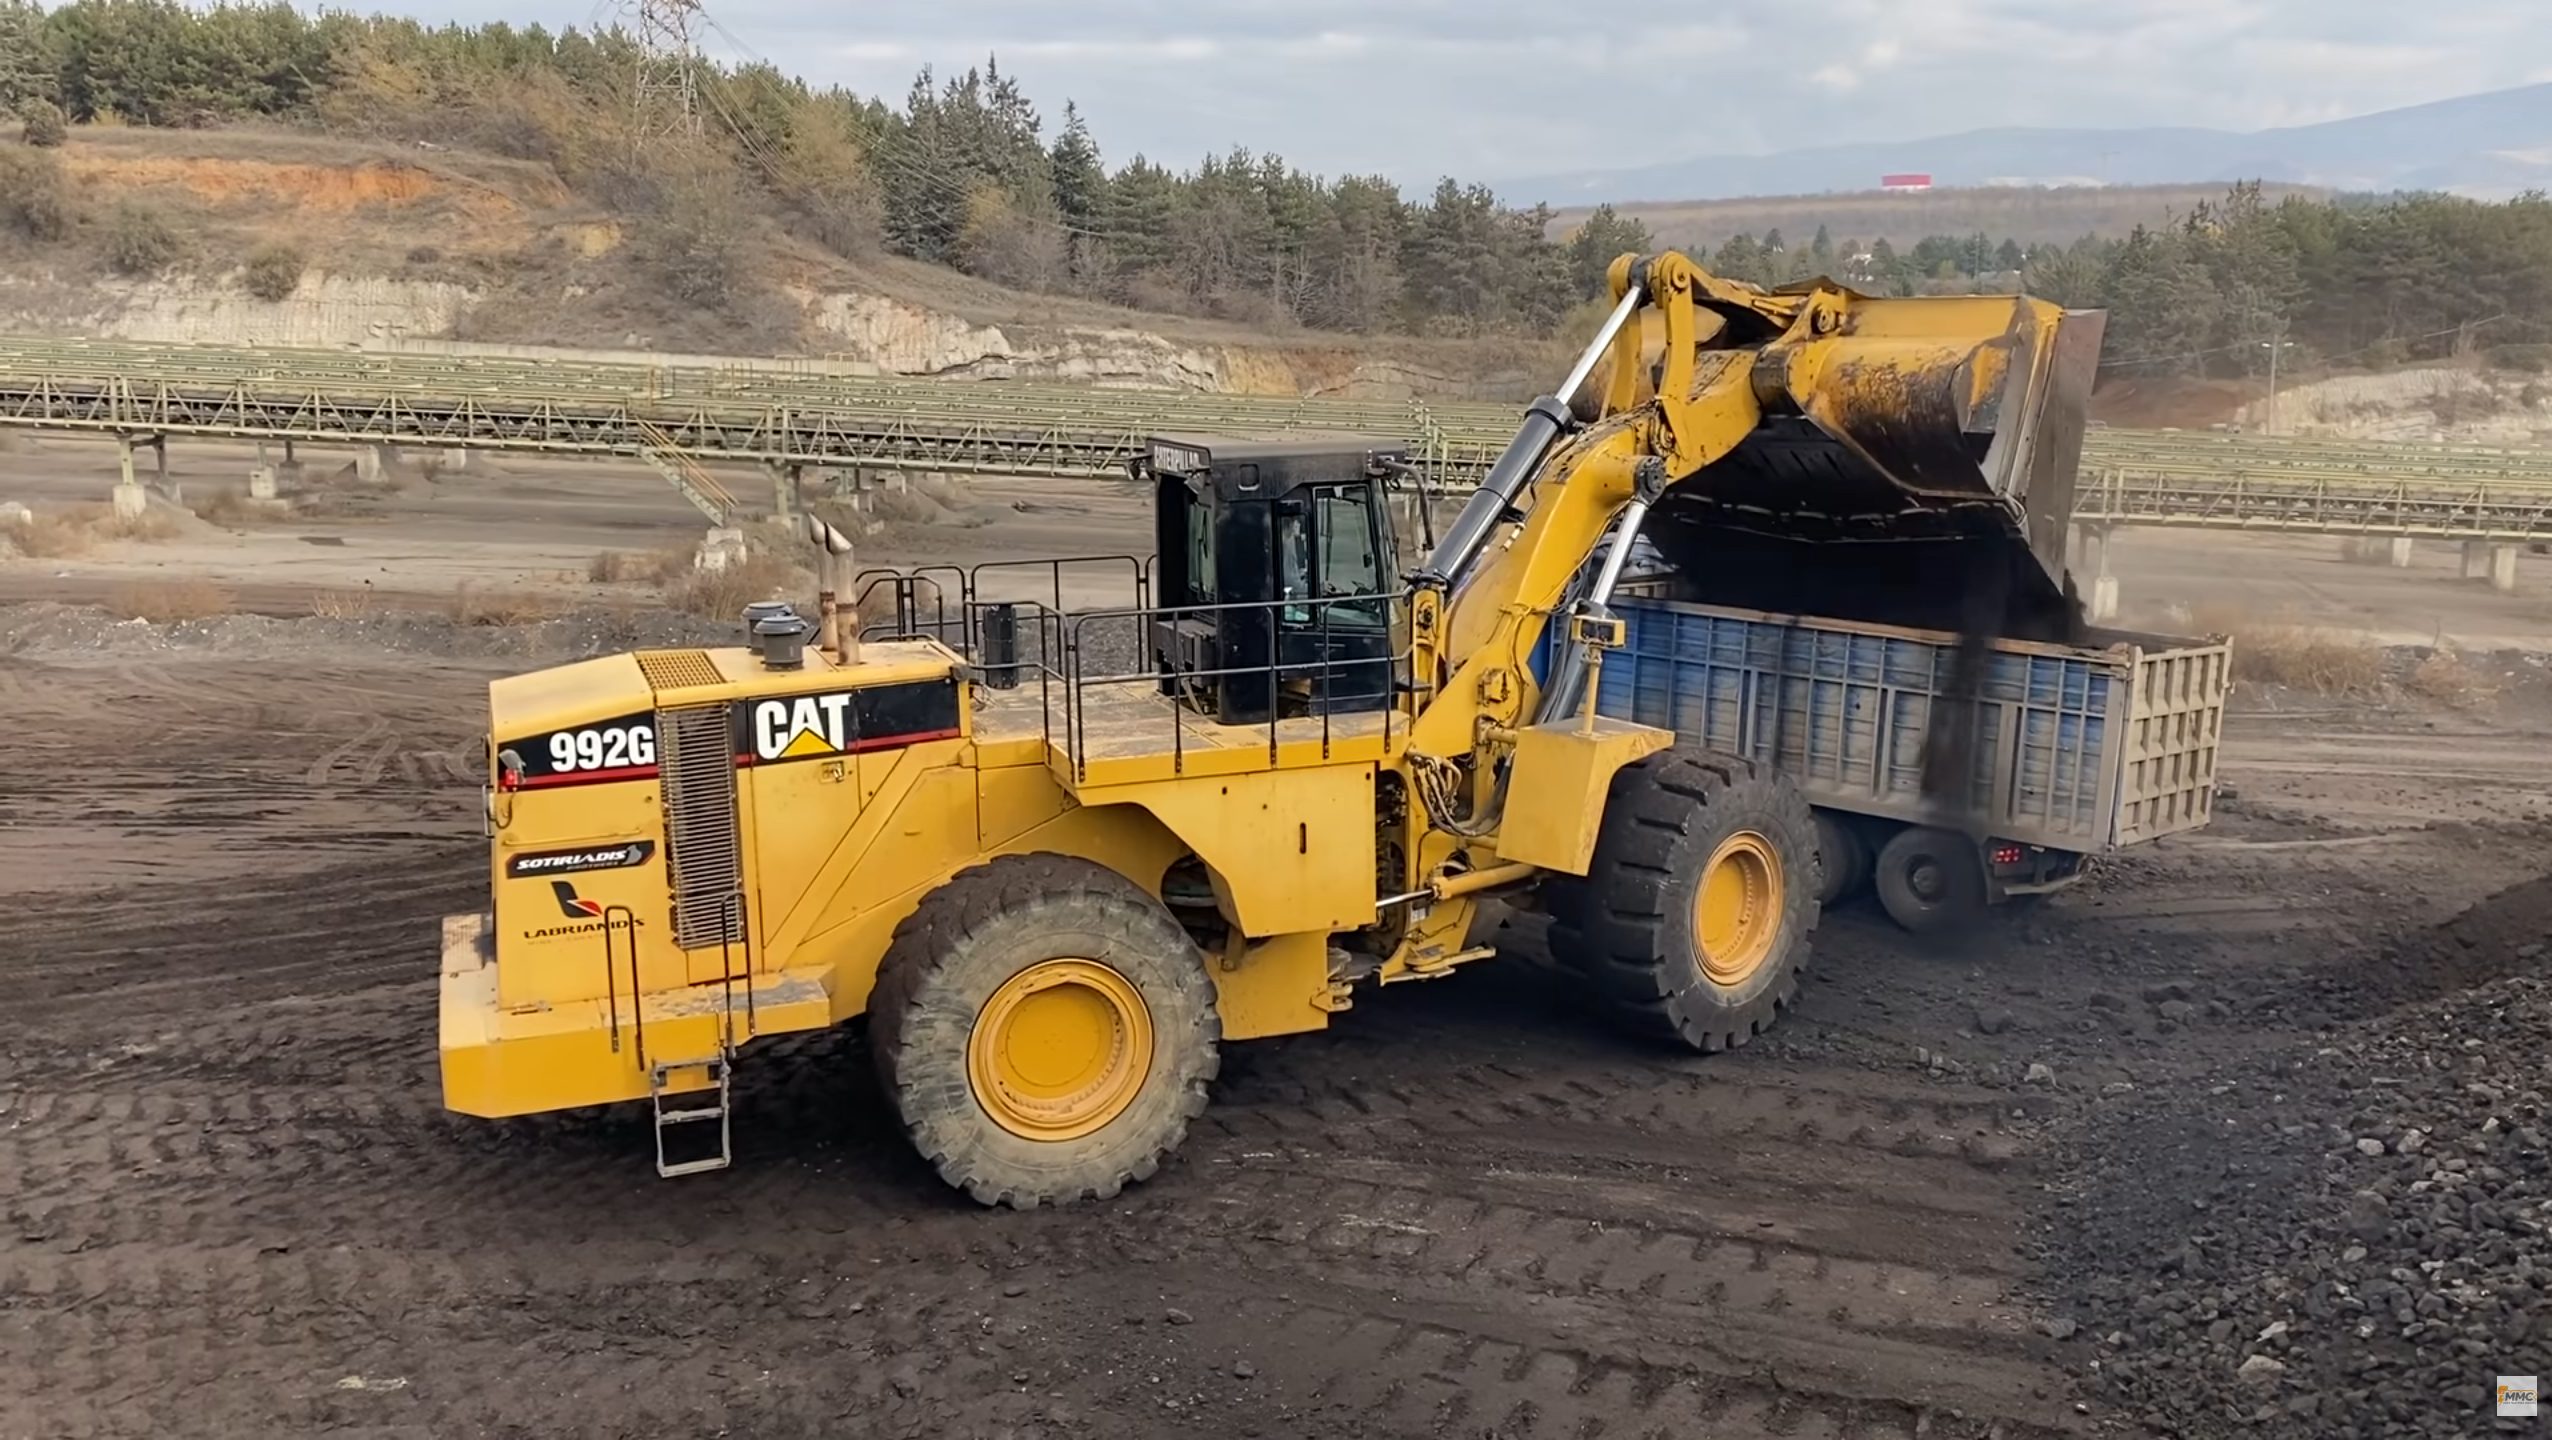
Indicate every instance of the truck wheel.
{"type": "Point", "coordinates": [1844, 857]}
{"type": "Point", "coordinates": [1693, 920]}
{"type": "Point", "coordinates": [1931, 880]}
{"type": "Point", "coordinates": [1045, 1029]}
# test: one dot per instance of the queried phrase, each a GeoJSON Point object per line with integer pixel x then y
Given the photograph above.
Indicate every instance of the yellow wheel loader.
{"type": "Point", "coordinates": [1058, 859]}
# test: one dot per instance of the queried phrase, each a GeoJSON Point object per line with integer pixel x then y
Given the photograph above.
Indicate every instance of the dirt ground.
{"type": "Point", "coordinates": [231, 1204]}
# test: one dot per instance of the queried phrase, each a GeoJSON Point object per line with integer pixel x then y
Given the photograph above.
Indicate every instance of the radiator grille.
{"type": "Point", "coordinates": [702, 852]}
{"type": "Point", "coordinates": [677, 669]}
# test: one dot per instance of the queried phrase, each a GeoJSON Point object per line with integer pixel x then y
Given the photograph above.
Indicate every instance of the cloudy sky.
{"type": "Point", "coordinates": [1491, 89]}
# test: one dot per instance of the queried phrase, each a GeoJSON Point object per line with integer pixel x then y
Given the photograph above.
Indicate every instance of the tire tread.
{"type": "Point", "coordinates": [921, 1086]}
{"type": "Point", "coordinates": [1612, 929]}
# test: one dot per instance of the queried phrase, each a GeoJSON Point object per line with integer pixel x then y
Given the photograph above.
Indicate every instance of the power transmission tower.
{"type": "Point", "coordinates": [666, 90]}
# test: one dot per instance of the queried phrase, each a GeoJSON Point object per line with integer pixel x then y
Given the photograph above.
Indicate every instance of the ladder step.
{"type": "Point", "coordinates": [719, 1071]}
{"type": "Point", "coordinates": [665, 1070]}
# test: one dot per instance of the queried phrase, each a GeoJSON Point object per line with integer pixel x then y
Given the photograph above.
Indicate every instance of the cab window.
{"type": "Point", "coordinates": [1326, 549]}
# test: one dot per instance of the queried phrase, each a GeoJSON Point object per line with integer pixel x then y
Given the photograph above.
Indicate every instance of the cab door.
{"type": "Point", "coordinates": [1334, 548]}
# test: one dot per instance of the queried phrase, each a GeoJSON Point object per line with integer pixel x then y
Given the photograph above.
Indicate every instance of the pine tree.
{"type": "Point", "coordinates": [1604, 237]}
{"type": "Point", "coordinates": [1079, 180]}
{"type": "Point", "coordinates": [1886, 273]}
{"type": "Point", "coordinates": [26, 69]}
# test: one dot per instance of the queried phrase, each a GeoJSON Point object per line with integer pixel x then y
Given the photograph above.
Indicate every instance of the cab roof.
{"type": "Point", "coordinates": [1253, 468]}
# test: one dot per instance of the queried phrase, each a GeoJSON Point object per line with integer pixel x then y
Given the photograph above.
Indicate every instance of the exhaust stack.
{"type": "Point", "coordinates": [838, 623]}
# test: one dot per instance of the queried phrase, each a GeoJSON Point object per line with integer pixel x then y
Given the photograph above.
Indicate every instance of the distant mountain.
{"type": "Point", "coordinates": [2490, 146]}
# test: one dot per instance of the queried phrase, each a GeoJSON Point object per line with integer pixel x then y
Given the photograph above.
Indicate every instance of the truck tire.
{"type": "Point", "coordinates": [1843, 855]}
{"type": "Point", "coordinates": [1045, 1029]}
{"type": "Point", "coordinates": [1692, 923]}
{"type": "Point", "coordinates": [1931, 880]}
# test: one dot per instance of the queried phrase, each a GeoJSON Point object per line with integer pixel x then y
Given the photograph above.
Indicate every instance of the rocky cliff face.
{"type": "Point", "coordinates": [2434, 402]}
{"type": "Point", "coordinates": [328, 310]}
{"type": "Point", "coordinates": [859, 332]}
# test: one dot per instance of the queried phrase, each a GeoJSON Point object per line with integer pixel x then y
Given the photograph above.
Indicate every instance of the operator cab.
{"type": "Point", "coordinates": [1274, 576]}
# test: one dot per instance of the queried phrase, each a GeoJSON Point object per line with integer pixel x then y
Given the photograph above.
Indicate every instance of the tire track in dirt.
{"type": "Point", "coordinates": [281, 762]}
{"type": "Point", "coordinates": [182, 946]}
{"type": "Point", "coordinates": [1651, 1260]}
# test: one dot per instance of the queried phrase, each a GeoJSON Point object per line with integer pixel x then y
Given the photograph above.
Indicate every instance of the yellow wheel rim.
{"type": "Point", "coordinates": [1060, 1049]}
{"type": "Point", "coordinates": [1736, 914]}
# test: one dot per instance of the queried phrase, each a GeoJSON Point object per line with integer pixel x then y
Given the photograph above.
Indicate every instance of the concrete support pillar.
{"type": "Point", "coordinates": [261, 482]}
{"type": "Point", "coordinates": [2091, 544]}
{"type": "Point", "coordinates": [456, 457]}
{"type": "Point", "coordinates": [2503, 568]}
{"type": "Point", "coordinates": [2100, 596]}
{"type": "Point", "coordinates": [2476, 559]}
{"type": "Point", "coordinates": [785, 479]}
{"type": "Point", "coordinates": [2401, 552]}
{"type": "Point", "coordinates": [130, 499]}
{"type": "Point", "coordinates": [369, 462]}
{"type": "Point", "coordinates": [288, 473]}
{"type": "Point", "coordinates": [721, 547]}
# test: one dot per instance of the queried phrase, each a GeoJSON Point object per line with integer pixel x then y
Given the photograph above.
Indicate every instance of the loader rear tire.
{"type": "Point", "coordinates": [1045, 1029]}
{"type": "Point", "coordinates": [1692, 923]}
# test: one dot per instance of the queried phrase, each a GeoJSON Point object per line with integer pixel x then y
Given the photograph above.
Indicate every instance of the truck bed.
{"type": "Point", "coordinates": [2077, 748]}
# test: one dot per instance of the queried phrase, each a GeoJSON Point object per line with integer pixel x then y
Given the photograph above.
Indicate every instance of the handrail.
{"type": "Point", "coordinates": [611, 977]}
{"type": "Point", "coordinates": [672, 452]}
{"type": "Point", "coordinates": [1063, 664]}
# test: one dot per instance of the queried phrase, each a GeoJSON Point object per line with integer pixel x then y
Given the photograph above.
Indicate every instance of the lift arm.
{"type": "Point", "coordinates": [1812, 405]}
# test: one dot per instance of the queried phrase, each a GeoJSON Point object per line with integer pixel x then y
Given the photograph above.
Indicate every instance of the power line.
{"type": "Point", "coordinates": [666, 87]}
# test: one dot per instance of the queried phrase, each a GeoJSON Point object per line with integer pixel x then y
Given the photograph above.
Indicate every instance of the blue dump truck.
{"type": "Point", "coordinates": [2072, 751]}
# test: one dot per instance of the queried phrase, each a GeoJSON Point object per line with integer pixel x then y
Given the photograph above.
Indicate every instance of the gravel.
{"type": "Point", "coordinates": [2349, 1238]}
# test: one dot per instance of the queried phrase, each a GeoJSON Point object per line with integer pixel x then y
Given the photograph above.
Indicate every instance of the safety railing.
{"type": "Point", "coordinates": [2518, 509]}
{"type": "Point", "coordinates": [919, 602]}
{"type": "Point", "coordinates": [1297, 690]}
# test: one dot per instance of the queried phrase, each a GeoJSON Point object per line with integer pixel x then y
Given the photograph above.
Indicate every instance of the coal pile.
{"type": "Point", "coordinates": [2348, 1239]}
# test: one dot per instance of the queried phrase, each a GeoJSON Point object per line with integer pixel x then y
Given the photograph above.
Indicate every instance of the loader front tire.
{"type": "Point", "coordinates": [1045, 1029]}
{"type": "Point", "coordinates": [1692, 923]}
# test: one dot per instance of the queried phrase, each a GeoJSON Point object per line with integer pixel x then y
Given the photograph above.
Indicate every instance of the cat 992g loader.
{"type": "Point", "coordinates": [1057, 874]}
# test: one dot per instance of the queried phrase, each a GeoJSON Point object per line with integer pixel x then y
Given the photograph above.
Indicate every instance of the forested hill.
{"type": "Point", "coordinates": [964, 171]}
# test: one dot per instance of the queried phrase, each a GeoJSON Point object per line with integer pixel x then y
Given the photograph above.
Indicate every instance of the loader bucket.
{"type": "Point", "coordinates": [1897, 464]}
{"type": "Point", "coordinates": [1952, 423]}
